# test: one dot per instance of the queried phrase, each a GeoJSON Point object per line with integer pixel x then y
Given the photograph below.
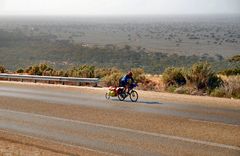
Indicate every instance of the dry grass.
{"type": "Point", "coordinates": [13, 144]}
{"type": "Point", "coordinates": [232, 86]}
{"type": "Point", "coordinates": [152, 83]}
{"type": "Point", "coordinates": [8, 148]}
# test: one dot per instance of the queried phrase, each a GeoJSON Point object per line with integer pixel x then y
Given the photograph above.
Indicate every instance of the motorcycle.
{"type": "Point", "coordinates": [122, 94]}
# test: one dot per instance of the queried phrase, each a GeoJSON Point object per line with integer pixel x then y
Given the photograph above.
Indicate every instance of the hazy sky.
{"type": "Point", "coordinates": [117, 7]}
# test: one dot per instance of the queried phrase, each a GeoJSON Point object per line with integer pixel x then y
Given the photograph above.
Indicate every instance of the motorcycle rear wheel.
{"type": "Point", "coordinates": [121, 96]}
{"type": "Point", "coordinates": [107, 96]}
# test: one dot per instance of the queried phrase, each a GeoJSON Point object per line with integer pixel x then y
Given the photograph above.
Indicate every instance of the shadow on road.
{"type": "Point", "coordinates": [142, 102]}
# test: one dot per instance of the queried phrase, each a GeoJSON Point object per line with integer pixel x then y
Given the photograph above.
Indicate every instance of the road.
{"type": "Point", "coordinates": [149, 127]}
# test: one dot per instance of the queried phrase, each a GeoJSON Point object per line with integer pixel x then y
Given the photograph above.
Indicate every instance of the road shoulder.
{"type": "Point", "coordinates": [148, 95]}
{"type": "Point", "coordinates": [12, 143]}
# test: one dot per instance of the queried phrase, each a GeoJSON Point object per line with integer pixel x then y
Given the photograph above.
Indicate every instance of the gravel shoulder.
{"type": "Point", "coordinates": [13, 144]}
{"type": "Point", "coordinates": [150, 95]}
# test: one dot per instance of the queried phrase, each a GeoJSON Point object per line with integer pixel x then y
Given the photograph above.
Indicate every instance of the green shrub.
{"type": "Point", "coordinates": [198, 77]}
{"type": "Point", "coordinates": [201, 77]}
{"type": "Point", "coordinates": [174, 76]}
{"type": "Point", "coordinates": [214, 81]}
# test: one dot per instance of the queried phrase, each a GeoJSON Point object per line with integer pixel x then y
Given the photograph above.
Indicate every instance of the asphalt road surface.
{"type": "Point", "coordinates": [148, 127]}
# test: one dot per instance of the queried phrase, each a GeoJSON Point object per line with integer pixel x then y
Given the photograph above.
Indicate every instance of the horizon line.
{"type": "Point", "coordinates": [117, 15]}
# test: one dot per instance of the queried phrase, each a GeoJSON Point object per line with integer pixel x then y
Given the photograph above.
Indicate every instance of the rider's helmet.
{"type": "Point", "coordinates": [129, 74]}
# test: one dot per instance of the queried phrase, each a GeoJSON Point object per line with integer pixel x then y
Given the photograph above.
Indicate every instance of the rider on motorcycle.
{"type": "Point", "coordinates": [126, 81]}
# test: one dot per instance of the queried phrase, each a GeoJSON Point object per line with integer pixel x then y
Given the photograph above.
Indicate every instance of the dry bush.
{"type": "Point", "coordinates": [198, 75]}
{"type": "Point", "coordinates": [138, 75]}
{"type": "Point", "coordinates": [201, 77]}
{"type": "Point", "coordinates": [229, 72]}
{"type": "Point", "coordinates": [2, 69]}
{"type": "Point", "coordinates": [183, 90]}
{"type": "Point", "coordinates": [153, 83]}
{"type": "Point", "coordinates": [174, 77]}
{"type": "Point", "coordinates": [230, 87]}
{"type": "Point", "coordinates": [218, 92]}
{"type": "Point", "coordinates": [40, 69]}
{"type": "Point", "coordinates": [20, 71]}
{"type": "Point", "coordinates": [108, 76]}
{"type": "Point", "coordinates": [196, 80]}
{"type": "Point", "coordinates": [112, 80]}
{"type": "Point", "coordinates": [84, 71]}
{"type": "Point", "coordinates": [102, 72]}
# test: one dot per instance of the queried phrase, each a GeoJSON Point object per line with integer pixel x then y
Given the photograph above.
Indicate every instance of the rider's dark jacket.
{"type": "Point", "coordinates": [124, 80]}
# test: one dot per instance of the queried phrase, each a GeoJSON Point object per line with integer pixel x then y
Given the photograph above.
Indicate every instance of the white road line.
{"type": "Point", "coordinates": [60, 143]}
{"type": "Point", "coordinates": [130, 130]}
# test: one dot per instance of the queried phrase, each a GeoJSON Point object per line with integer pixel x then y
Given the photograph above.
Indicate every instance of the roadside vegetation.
{"type": "Point", "coordinates": [2, 69]}
{"type": "Point", "coordinates": [198, 79]}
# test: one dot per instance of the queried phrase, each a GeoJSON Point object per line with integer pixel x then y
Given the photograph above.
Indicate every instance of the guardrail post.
{"type": "Point", "coordinates": [35, 81]}
{"type": "Point", "coordinates": [21, 80]}
{"type": "Point", "coordinates": [63, 83]}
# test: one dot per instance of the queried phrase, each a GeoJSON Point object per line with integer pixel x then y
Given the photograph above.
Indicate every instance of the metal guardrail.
{"type": "Point", "coordinates": [36, 78]}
